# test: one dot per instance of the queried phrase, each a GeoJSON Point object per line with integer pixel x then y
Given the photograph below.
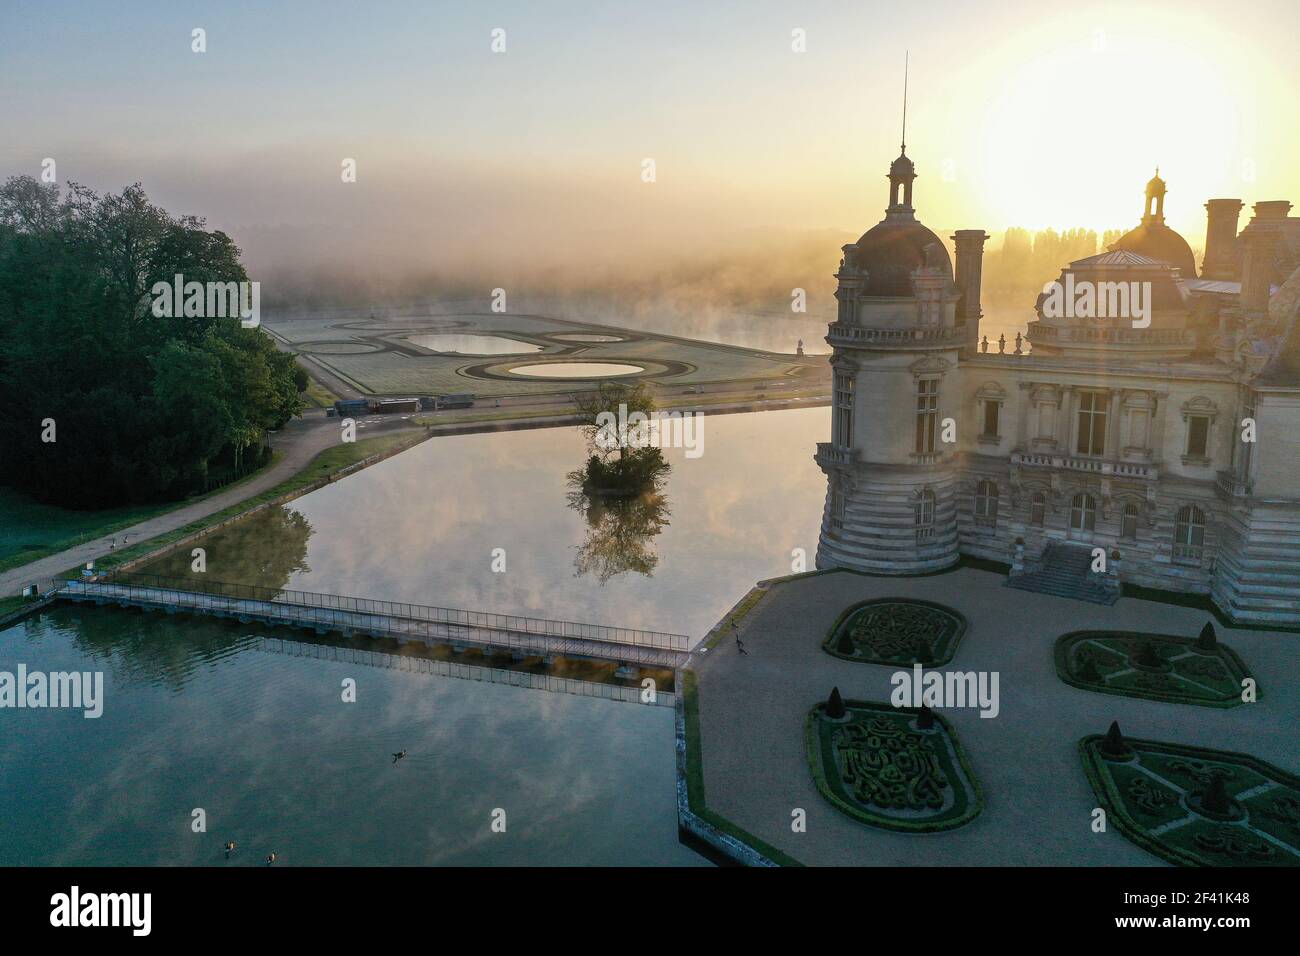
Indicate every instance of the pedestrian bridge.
{"type": "Point", "coordinates": [353, 616]}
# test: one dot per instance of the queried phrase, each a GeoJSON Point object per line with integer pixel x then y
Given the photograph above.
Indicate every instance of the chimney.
{"type": "Point", "coordinates": [1260, 240]}
{"type": "Point", "coordinates": [1222, 255]}
{"type": "Point", "coordinates": [970, 266]}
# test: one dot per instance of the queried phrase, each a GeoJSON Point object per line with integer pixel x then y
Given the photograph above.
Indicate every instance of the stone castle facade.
{"type": "Point", "coordinates": [1126, 432]}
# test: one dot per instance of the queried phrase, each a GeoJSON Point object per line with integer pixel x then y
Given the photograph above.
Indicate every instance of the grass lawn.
{"type": "Point", "coordinates": [318, 395]}
{"type": "Point", "coordinates": [30, 530]}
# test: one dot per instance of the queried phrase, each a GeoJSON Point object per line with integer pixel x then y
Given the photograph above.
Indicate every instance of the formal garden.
{"type": "Point", "coordinates": [897, 768]}
{"type": "Point", "coordinates": [1155, 667]}
{"type": "Point", "coordinates": [1194, 806]}
{"type": "Point", "coordinates": [897, 631]}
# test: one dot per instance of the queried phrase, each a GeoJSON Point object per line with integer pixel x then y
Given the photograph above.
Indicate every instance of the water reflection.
{"type": "Point", "coordinates": [467, 344]}
{"type": "Point", "coordinates": [262, 742]}
{"type": "Point", "coordinates": [620, 528]}
{"type": "Point", "coordinates": [267, 549]}
{"type": "Point", "coordinates": [422, 526]}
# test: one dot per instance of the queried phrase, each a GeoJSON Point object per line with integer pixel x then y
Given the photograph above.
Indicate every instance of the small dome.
{"type": "Point", "coordinates": [903, 166]}
{"type": "Point", "coordinates": [1153, 238]}
{"type": "Point", "coordinates": [890, 251]}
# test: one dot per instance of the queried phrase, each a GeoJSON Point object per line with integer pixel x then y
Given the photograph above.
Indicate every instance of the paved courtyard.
{"type": "Point", "coordinates": [1038, 804]}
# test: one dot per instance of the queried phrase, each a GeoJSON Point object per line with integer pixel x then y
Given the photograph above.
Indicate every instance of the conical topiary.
{"type": "Point", "coordinates": [1088, 669]}
{"type": "Point", "coordinates": [1146, 655]}
{"type": "Point", "coordinates": [845, 644]}
{"type": "Point", "coordinates": [1208, 640]}
{"type": "Point", "coordinates": [1114, 744]}
{"type": "Point", "coordinates": [923, 652]}
{"type": "Point", "coordinates": [835, 705]}
{"type": "Point", "coordinates": [925, 718]}
{"type": "Point", "coordinates": [1214, 798]}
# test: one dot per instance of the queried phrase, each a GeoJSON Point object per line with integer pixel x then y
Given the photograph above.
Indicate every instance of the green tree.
{"type": "Point", "coordinates": [143, 405]}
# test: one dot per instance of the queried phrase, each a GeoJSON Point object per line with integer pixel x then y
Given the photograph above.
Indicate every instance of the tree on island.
{"type": "Point", "coordinates": [144, 408]}
{"type": "Point", "coordinates": [620, 462]}
{"type": "Point", "coordinates": [620, 490]}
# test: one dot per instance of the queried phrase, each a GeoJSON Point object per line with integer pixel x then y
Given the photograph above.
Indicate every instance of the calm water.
{"type": "Point", "coordinates": [576, 369]}
{"type": "Point", "coordinates": [422, 528]}
{"type": "Point", "coordinates": [205, 714]}
{"type": "Point", "coordinates": [465, 344]}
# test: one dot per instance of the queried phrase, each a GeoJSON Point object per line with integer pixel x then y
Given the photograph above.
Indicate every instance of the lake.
{"type": "Point", "coordinates": [228, 718]}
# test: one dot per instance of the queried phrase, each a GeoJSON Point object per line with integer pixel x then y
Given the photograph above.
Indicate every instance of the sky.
{"type": "Point", "coordinates": [1020, 114]}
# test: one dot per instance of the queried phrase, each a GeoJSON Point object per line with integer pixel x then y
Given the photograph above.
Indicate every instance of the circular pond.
{"type": "Point", "coordinates": [576, 370]}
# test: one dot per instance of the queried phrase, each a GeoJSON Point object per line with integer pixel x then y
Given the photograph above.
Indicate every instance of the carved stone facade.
{"type": "Point", "coordinates": [1168, 431]}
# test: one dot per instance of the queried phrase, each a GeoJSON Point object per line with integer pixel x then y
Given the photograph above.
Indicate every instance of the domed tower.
{"type": "Point", "coordinates": [890, 505]}
{"type": "Point", "coordinates": [1153, 238]}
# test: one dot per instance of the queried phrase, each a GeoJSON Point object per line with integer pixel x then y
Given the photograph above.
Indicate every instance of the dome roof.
{"type": "Point", "coordinates": [1153, 238]}
{"type": "Point", "coordinates": [891, 250]}
{"type": "Point", "coordinates": [902, 166]}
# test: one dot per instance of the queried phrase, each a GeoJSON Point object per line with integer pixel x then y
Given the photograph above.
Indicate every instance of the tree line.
{"type": "Point", "coordinates": [140, 408]}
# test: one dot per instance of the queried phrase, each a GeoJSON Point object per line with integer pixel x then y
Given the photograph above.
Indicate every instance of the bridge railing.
{"type": "Point", "coordinates": [142, 580]}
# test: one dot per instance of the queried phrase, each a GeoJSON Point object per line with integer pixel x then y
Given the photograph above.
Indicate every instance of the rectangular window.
{"type": "Point", "coordinates": [843, 410]}
{"type": "Point", "coordinates": [1128, 525]}
{"type": "Point", "coordinates": [1198, 436]}
{"type": "Point", "coordinates": [927, 414]}
{"type": "Point", "coordinates": [837, 508]}
{"type": "Point", "coordinates": [1092, 424]}
{"type": "Point", "coordinates": [992, 410]}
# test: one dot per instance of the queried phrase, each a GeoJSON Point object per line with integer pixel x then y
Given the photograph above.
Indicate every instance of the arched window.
{"type": "Point", "coordinates": [1189, 534]}
{"type": "Point", "coordinates": [1083, 512]}
{"type": "Point", "coordinates": [986, 503]}
{"type": "Point", "coordinates": [925, 515]}
{"type": "Point", "coordinates": [1037, 508]}
{"type": "Point", "coordinates": [1128, 524]}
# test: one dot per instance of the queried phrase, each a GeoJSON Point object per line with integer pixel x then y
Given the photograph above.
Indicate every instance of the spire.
{"type": "Point", "coordinates": [907, 56]}
{"type": "Point", "coordinates": [902, 171]}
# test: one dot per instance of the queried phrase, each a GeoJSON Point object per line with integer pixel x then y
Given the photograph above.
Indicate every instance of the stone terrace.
{"type": "Point", "coordinates": [1037, 801]}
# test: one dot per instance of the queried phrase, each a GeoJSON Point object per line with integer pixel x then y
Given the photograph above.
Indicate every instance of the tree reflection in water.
{"type": "Point", "coordinates": [625, 509]}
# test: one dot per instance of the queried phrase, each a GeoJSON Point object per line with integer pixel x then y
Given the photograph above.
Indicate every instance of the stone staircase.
{"type": "Point", "coordinates": [1066, 571]}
